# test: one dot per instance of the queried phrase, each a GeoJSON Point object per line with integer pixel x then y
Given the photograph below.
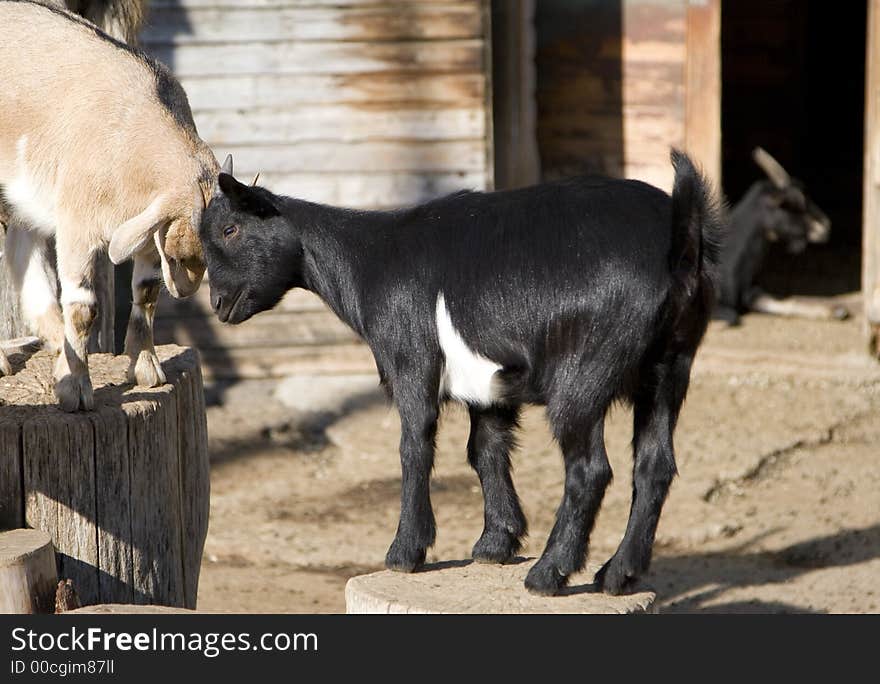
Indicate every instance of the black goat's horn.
{"type": "Point", "coordinates": [771, 167]}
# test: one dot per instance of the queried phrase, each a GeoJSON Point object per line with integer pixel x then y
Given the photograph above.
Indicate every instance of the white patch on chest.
{"type": "Point", "coordinates": [28, 199]}
{"type": "Point", "coordinates": [467, 376]}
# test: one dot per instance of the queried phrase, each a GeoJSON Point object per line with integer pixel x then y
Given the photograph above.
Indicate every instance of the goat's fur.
{"type": "Point", "coordinates": [572, 295]}
{"type": "Point", "coordinates": [97, 149]}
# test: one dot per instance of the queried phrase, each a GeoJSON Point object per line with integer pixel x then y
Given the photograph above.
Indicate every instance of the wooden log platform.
{"type": "Point", "coordinates": [469, 587]}
{"type": "Point", "coordinates": [27, 572]}
{"type": "Point", "coordinates": [122, 491]}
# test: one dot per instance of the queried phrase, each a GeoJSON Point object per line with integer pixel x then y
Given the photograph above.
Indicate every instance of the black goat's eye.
{"type": "Point", "coordinates": [229, 231]}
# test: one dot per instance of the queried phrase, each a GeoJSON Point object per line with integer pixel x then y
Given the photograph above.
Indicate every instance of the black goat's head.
{"type": "Point", "coordinates": [787, 215]}
{"type": "Point", "coordinates": [249, 250]}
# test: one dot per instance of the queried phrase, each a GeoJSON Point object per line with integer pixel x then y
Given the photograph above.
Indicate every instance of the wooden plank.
{"type": "Point", "coordinates": [194, 478]}
{"type": "Point", "coordinates": [386, 22]}
{"type": "Point", "coordinates": [11, 510]}
{"type": "Point", "coordinates": [156, 528]}
{"type": "Point", "coordinates": [871, 202]}
{"type": "Point", "coordinates": [322, 58]}
{"type": "Point", "coordinates": [113, 508]}
{"type": "Point", "coordinates": [377, 92]}
{"type": "Point", "coordinates": [376, 191]}
{"type": "Point", "coordinates": [194, 4]}
{"type": "Point", "coordinates": [332, 156]}
{"type": "Point", "coordinates": [341, 123]}
{"type": "Point", "coordinates": [703, 86]}
{"type": "Point", "coordinates": [59, 482]}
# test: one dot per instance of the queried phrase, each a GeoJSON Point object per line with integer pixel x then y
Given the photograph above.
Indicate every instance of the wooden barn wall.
{"type": "Point", "coordinates": [364, 103]}
{"type": "Point", "coordinates": [611, 86]}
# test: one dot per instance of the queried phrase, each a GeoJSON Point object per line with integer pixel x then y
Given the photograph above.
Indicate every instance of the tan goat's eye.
{"type": "Point", "coordinates": [229, 231]}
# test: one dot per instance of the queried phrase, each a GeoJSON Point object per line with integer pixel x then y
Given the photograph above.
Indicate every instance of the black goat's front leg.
{"type": "Point", "coordinates": [489, 446]}
{"type": "Point", "coordinates": [654, 419]}
{"type": "Point", "coordinates": [587, 474]}
{"type": "Point", "coordinates": [416, 530]}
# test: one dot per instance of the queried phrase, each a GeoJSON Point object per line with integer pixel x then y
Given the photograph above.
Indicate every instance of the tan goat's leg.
{"type": "Point", "coordinates": [27, 255]}
{"type": "Point", "coordinates": [76, 271]}
{"type": "Point", "coordinates": [144, 367]}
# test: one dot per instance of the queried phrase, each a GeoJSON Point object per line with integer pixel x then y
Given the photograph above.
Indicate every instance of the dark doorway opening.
{"type": "Point", "coordinates": [793, 82]}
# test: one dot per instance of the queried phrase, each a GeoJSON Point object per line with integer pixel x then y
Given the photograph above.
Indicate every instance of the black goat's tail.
{"type": "Point", "coordinates": [697, 231]}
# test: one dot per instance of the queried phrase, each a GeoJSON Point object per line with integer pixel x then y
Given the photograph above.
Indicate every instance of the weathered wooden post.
{"type": "Point", "coordinates": [123, 490]}
{"type": "Point", "coordinates": [27, 572]}
{"type": "Point", "coordinates": [469, 587]}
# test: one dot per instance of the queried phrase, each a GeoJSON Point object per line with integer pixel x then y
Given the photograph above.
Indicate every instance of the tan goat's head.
{"type": "Point", "coordinates": [173, 223]}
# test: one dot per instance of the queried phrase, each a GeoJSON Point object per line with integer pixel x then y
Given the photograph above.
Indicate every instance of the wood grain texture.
{"type": "Point", "coordinates": [611, 87]}
{"type": "Point", "coordinates": [27, 572]}
{"type": "Point", "coordinates": [11, 504]}
{"type": "Point", "coordinates": [468, 587]}
{"type": "Point", "coordinates": [200, 25]}
{"type": "Point", "coordinates": [410, 56]}
{"type": "Point", "coordinates": [383, 91]}
{"type": "Point", "coordinates": [122, 490]}
{"type": "Point", "coordinates": [340, 123]}
{"type": "Point", "coordinates": [703, 87]}
{"type": "Point", "coordinates": [193, 4]}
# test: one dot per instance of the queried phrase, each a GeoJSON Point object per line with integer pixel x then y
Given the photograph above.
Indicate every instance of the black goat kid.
{"type": "Point", "coordinates": [572, 294]}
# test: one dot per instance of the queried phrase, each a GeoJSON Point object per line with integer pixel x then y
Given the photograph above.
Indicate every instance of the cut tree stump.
{"type": "Point", "coordinates": [122, 490]}
{"type": "Point", "coordinates": [468, 587]}
{"type": "Point", "coordinates": [27, 572]}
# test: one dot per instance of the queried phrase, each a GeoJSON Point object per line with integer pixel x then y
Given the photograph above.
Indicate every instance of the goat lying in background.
{"type": "Point", "coordinates": [572, 294]}
{"type": "Point", "coordinates": [774, 210]}
{"type": "Point", "coordinates": [98, 149]}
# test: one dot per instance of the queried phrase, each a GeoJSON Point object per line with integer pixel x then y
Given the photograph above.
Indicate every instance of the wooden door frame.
{"type": "Point", "coordinates": [871, 193]}
{"type": "Point", "coordinates": [702, 85]}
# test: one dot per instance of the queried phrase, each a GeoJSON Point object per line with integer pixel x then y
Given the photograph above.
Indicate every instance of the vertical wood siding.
{"type": "Point", "coordinates": [611, 86]}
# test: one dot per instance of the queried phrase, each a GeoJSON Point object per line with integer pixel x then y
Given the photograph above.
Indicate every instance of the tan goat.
{"type": "Point", "coordinates": [98, 149]}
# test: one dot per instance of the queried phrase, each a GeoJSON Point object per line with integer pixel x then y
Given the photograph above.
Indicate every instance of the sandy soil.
{"type": "Point", "coordinates": [776, 509]}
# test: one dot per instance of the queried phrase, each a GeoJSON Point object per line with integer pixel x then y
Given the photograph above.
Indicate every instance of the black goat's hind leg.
{"type": "Point", "coordinates": [587, 474]}
{"type": "Point", "coordinates": [654, 418]}
{"type": "Point", "coordinates": [416, 530]}
{"type": "Point", "coordinates": [489, 446]}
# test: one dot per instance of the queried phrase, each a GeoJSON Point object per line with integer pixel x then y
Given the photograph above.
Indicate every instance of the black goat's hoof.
{"type": "Point", "coordinates": [495, 546]}
{"type": "Point", "coordinates": [544, 579]}
{"type": "Point", "coordinates": [616, 577]}
{"type": "Point", "coordinates": [401, 558]}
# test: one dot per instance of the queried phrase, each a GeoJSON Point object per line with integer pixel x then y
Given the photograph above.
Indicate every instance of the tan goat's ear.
{"type": "Point", "coordinates": [134, 234]}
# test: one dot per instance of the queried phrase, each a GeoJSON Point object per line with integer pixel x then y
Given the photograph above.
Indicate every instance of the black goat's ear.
{"type": "Point", "coordinates": [244, 198]}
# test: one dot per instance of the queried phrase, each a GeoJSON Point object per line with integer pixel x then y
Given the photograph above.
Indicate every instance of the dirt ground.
{"type": "Point", "coordinates": [776, 508]}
